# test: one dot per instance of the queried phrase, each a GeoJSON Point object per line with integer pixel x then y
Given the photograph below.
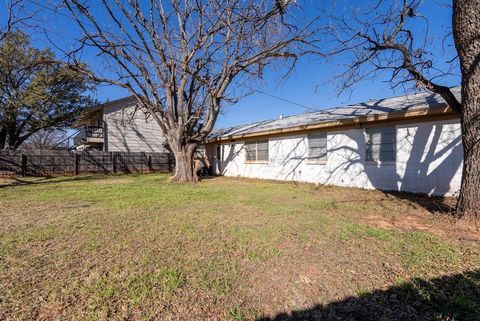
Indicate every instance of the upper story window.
{"type": "Point", "coordinates": [380, 144]}
{"type": "Point", "coordinates": [257, 151]}
{"type": "Point", "coordinates": [317, 147]}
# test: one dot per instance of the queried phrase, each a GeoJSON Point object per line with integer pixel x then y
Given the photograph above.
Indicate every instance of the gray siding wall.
{"type": "Point", "coordinates": [130, 130]}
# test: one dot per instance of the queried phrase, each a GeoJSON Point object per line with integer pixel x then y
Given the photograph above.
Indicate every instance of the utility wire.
{"type": "Point", "coordinates": [278, 97]}
{"type": "Point", "coordinates": [35, 3]}
{"type": "Point", "coordinates": [242, 85]}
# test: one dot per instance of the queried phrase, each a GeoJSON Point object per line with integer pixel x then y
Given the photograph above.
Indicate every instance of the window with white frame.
{"type": "Point", "coordinates": [317, 147]}
{"type": "Point", "coordinates": [257, 151]}
{"type": "Point", "coordinates": [380, 144]}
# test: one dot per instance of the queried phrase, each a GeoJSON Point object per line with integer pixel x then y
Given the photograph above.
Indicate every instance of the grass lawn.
{"type": "Point", "coordinates": [138, 248]}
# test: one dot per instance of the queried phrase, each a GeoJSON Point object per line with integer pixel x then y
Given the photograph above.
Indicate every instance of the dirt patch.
{"type": "Point", "coordinates": [419, 219]}
{"type": "Point", "coordinates": [403, 211]}
{"type": "Point", "coordinates": [227, 249]}
{"type": "Point", "coordinates": [320, 272]}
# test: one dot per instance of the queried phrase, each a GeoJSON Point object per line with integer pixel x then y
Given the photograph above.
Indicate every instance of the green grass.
{"type": "Point", "coordinates": [137, 247]}
{"type": "Point", "coordinates": [141, 286]}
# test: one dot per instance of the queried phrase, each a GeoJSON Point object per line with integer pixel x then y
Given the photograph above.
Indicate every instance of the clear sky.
{"type": "Point", "coordinates": [310, 85]}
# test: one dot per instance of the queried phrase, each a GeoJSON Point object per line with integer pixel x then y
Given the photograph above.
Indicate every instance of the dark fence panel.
{"type": "Point", "coordinates": [159, 162]}
{"type": "Point", "coordinates": [10, 162]}
{"type": "Point", "coordinates": [132, 162]}
{"type": "Point", "coordinates": [95, 162]}
{"type": "Point", "coordinates": [57, 162]}
{"type": "Point", "coordinates": [47, 162]}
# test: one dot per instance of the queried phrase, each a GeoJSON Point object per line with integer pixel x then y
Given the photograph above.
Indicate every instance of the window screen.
{"type": "Point", "coordinates": [380, 144]}
{"type": "Point", "coordinates": [251, 148]}
{"type": "Point", "coordinates": [257, 150]}
{"type": "Point", "coordinates": [317, 147]}
{"type": "Point", "coordinates": [262, 150]}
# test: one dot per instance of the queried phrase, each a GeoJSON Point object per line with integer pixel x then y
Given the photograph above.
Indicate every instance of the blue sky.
{"type": "Point", "coordinates": [310, 85]}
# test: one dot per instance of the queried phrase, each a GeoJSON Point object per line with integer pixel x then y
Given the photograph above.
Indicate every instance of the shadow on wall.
{"type": "Point", "coordinates": [429, 169]}
{"type": "Point", "coordinates": [455, 297]}
{"type": "Point", "coordinates": [292, 172]}
{"type": "Point", "coordinates": [229, 157]}
{"type": "Point", "coordinates": [447, 159]}
{"type": "Point", "coordinates": [135, 142]}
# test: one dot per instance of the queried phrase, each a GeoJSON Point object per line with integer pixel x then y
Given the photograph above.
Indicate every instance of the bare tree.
{"type": "Point", "coordinates": [183, 60]}
{"type": "Point", "coordinates": [18, 17]}
{"type": "Point", "coordinates": [12, 19]}
{"type": "Point", "coordinates": [47, 139]}
{"type": "Point", "coordinates": [389, 38]}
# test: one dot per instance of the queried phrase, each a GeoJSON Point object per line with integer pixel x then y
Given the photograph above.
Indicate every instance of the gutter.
{"type": "Point", "coordinates": [355, 122]}
{"type": "Point", "coordinates": [87, 112]}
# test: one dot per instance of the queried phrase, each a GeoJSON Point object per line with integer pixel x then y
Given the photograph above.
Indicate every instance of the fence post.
{"type": "Point", "coordinates": [149, 162]}
{"type": "Point", "coordinates": [77, 164]}
{"type": "Point", "coordinates": [24, 165]}
{"type": "Point", "coordinates": [114, 162]}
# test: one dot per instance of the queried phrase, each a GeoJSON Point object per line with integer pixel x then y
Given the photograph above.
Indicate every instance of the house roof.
{"type": "Point", "coordinates": [88, 112]}
{"type": "Point", "coordinates": [425, 103]}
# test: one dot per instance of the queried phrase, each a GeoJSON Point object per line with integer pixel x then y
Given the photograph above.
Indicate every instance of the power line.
{"type": "Point", "coordinates": [35, 3]}
{"type": "Point", "coordinates": [242, 85]}
{"type": "Point", "coordinates": [278, 97]}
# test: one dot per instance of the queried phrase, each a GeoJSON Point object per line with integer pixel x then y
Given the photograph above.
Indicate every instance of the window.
{"type": "Point", "coordinates": [201, 151]}
{"type": "Point", "coordinates": [257, 151]}
{"type": "Point", "coordinates": [380, 144]}
{"type": "Point", "coordinates": [317, 147]}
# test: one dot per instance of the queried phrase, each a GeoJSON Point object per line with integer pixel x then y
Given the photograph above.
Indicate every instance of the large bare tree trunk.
{"type": "Point", "coordinates": [466, 32]}
{"type": "Point", "coordinates": [183, 60]}
{"type": "Point", "coordinates": [184, 161]}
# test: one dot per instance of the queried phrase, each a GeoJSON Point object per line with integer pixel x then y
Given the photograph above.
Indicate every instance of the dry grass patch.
{"type": "Point", "coordinates": [138, 248]}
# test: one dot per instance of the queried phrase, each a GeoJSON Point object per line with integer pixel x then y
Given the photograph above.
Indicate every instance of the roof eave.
{"type": "Point", "coordinates": [89, 111]}
{"type": "Point", "coordinates": [85, 115]}
{"type": "Point", "coordinates": [396, 115]}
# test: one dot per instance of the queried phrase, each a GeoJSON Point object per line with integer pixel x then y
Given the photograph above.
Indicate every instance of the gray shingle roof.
{"type": "Point", "coordinates": [375, 107]}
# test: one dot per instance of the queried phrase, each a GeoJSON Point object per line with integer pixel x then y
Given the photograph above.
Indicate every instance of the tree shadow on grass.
{"type": "Point", "coordinates": [433, 204]}
{"type": "Point", "coordinates": [15, 181]}
{"type": "Point", "coordinates": [455, 297]}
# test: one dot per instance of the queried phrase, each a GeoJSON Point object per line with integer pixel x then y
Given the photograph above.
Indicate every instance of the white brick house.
{"type": "Point", "coordinates": [410, 143]}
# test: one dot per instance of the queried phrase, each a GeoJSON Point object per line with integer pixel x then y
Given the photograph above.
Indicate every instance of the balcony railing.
{"type": "Point", "coordinates": [94, 132]}
{"type": "Point", "coordinates": [89, 134]}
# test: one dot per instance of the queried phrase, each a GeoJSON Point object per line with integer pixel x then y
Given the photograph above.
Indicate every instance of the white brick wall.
{"type": "Point", "coordinates": [428, 160]}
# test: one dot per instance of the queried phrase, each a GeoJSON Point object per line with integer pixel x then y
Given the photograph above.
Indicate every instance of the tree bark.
{"type": "Point", "coordinates": [3, 138]}
{"type": "Point", "coordinates": [184, 162]}
{"type": "Point", "coordinates": [11, 138]}
{"type": "Point", "coordinates": [466, 33]}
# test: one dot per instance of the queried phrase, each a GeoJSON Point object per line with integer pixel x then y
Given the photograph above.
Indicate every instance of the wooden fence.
{"type": "Point", "coordinates": [59, 162]}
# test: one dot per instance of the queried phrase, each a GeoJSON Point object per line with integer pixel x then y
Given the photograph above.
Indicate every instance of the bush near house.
{"type": "Point", "coordinates": [135, 247]}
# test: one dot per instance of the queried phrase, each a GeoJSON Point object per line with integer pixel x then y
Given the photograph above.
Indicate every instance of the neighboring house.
{"type": "Point", "coordinates": [410, 143]}
{"type": "Point", "coordinates": [118, 126]}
